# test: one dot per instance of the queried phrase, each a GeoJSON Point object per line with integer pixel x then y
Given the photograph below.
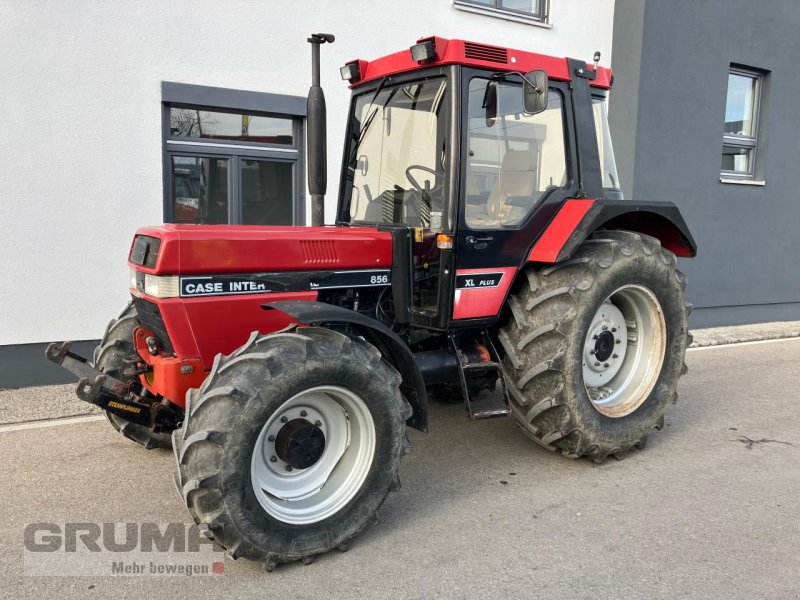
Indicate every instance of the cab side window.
{"type": "Point", "coordinates": [513, 158]}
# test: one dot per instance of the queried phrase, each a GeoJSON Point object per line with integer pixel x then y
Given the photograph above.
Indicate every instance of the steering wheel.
{"type": "Point", "coordinates": [415, 183]}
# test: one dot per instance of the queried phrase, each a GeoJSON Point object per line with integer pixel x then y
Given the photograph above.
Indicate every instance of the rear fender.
{"type": "Point", "coordinates": [577, 219]}
{"type": "Point", "coordinates": [391, 346]}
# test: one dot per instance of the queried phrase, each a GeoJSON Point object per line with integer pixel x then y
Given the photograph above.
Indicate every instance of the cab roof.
{"type": "Point", "coordinates": [473, 54]}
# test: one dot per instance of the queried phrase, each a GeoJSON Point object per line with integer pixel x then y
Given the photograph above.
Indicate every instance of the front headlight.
{"type": "Point", "coordinates": [161, 286]}
{"type": "Point", "coordinates": [158, 286]}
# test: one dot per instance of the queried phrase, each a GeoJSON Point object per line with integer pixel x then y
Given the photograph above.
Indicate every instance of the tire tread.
{"type": "Point", "coordinates": [534, 342]}
{"type": "Point", "coordinates": [199, 444]}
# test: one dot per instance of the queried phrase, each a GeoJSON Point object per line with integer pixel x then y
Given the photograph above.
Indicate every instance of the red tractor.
{"type": "Point", "coordinates": [482, 250]}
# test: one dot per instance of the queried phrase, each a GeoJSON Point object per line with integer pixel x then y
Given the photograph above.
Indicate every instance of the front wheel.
{"type": "Point", "coordinates": [596, 345]}
{"type": "Point", "coordinates": [109, 357]}
{"type": "Point", "coordinates": [292, 444]}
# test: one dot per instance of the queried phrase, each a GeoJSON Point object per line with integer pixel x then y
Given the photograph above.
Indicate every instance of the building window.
{"type": "Point", "coordinates": [518, 10]}
{"type": "Point", "coordinates": [232, 157]}
{"type": "Point", "coordinates": [231, 126]}
{"type": "Point", "coordinates": [740, 137]}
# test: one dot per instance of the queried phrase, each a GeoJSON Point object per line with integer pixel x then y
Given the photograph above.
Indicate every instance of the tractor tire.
{"type": "Point", "coordinates": [117, 343]}
{"type": "Point", "coordinates": [291, 444]}
{"type": "Point", "coordinates": [595, 345]}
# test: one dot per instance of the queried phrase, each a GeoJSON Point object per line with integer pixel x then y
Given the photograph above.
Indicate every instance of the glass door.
{"type": "Point", "coordinates": [263, 192]}
{"type": "Point", "coordinates": [267, 191]}
{"type": "Point", "coordinates": [200, 189]}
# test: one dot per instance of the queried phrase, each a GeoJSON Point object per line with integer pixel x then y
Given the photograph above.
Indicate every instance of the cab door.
{"type": "Point", "coordinates": [517, 171]}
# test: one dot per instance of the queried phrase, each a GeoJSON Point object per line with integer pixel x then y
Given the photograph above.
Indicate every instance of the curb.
{"type": "Point", "coordinates": [720, 336]}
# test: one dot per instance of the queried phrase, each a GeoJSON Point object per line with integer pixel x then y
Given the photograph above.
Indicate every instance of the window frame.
{"type": "Point", "coordinates": [179, 95]}
{"type": "Point", "coordinates": [542, 17]}
{"type": "Point", "coordinates": [750, 143]}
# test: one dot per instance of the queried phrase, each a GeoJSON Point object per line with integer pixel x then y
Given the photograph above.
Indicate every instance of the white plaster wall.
{"type": "Point", "coordinates": [80, 142]}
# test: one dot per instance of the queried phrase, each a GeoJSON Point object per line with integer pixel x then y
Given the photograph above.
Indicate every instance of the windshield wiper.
{"type": "Point", "coordinates": [362, 133]}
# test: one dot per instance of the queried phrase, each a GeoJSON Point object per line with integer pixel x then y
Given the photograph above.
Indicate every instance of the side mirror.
{"type": "Point", "coordinates": [490, 103]}
{"type": "Point", "coordinates": [534, 92]}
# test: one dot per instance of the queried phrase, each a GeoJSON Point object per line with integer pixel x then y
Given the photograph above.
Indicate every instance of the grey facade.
{"type": "Point", "coordinates": [671, 60]}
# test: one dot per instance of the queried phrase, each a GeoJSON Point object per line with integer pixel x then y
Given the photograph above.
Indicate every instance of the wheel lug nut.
{"type": "Point", "coordinates": [613, 329]}
{"type": "Point", "coordinates": [284, 420]}
{"type": "Point", "coordinates": [605, 327]}
{"type": "Point", "coordinates": [303, 413]}
{"type": "Point", "coordinates": [615, 356]}
{"type": "Point", "coordinates": [273, 459]}
{"type": "Point", "coordinates": [617, 341]}
{"type": "Point", "coordinates": [596, 364]}
{"type": "Point", "coordinates": [317, 423]}
{"type": "Point", "coordinates": [288, 467]}
{"type": "Point", "coordinates": [591, 351]}
{"type": "Point", "coordinates": [271, 438]}
{"type": "Point", "coordinates": [605, 365]}
{"type": "Point", "coordinates": [594, 337]}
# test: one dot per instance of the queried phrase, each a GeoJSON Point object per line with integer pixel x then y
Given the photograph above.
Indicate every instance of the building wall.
{"type": "Point", "coordinates": [81, 96]}
{"type": "Point", "coordinates": [667, 116]}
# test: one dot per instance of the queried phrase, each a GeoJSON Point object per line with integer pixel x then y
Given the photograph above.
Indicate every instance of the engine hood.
{"type": "Point", "coordinates": [204, 249]}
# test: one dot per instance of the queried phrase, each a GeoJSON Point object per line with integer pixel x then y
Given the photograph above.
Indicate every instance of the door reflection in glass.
{"type": "Point", "coordinates": [199, 190]}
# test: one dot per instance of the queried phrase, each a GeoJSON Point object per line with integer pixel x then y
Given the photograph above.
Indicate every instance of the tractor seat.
{"type": "Point", "coordinates": [516, 178]}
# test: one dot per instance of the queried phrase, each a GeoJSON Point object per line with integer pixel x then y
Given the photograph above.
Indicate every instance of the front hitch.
{"type": "Point", "coordinates": [109, 393]}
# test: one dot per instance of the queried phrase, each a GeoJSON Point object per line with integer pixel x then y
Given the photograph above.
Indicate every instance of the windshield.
{"type": "Point", "coordinates": [397, 157]}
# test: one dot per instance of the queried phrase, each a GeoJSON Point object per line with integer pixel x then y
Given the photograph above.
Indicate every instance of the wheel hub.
{"type": "Point", "coordinates": [313, 454]}
{"type": "Point", "coordinates": [624, 350]}
{"type": "Point", "coordinates": [604, 346]}
{"type": "Point", "coordinates": [300, 443]}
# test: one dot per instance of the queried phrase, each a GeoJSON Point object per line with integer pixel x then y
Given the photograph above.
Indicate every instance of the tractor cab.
{"type": "Point", "coordinates": [467, 150]}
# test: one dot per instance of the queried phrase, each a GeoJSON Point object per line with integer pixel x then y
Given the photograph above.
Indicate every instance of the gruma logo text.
{"type": "Point", "coordinates": [71, 549]}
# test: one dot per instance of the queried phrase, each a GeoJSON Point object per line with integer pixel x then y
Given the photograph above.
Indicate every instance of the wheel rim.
{"type": "Point", "coordinates": [313, 454]}
{"type": "Point", "coordinates": [624, 350]}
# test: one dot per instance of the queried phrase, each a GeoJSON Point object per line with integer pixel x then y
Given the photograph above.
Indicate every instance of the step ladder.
{"type": "Point", "coordinates": [476, 362]}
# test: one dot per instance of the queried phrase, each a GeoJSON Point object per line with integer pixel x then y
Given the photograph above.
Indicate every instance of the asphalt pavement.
{"type": "Point", "coordinates": [708, 510]}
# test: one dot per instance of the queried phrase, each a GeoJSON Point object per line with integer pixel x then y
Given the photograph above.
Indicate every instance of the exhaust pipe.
{"type": "Point", "coordinates": [316, 139]}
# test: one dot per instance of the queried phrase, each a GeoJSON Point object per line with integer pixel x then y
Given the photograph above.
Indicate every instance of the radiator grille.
{"type": "Point", "coordinates": [487, 53]}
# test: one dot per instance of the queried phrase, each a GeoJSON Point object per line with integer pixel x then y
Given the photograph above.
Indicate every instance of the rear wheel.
{"type": "Point", "coordinates": [595, 346]}
{"type": "Point", "coordinates": [292, 444]}
{"type": "Point", "coordinates": [116, 345]}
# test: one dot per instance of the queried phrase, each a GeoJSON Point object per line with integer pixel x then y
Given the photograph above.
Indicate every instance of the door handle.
{"type": "Point", "coordinates": [479, 241]}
